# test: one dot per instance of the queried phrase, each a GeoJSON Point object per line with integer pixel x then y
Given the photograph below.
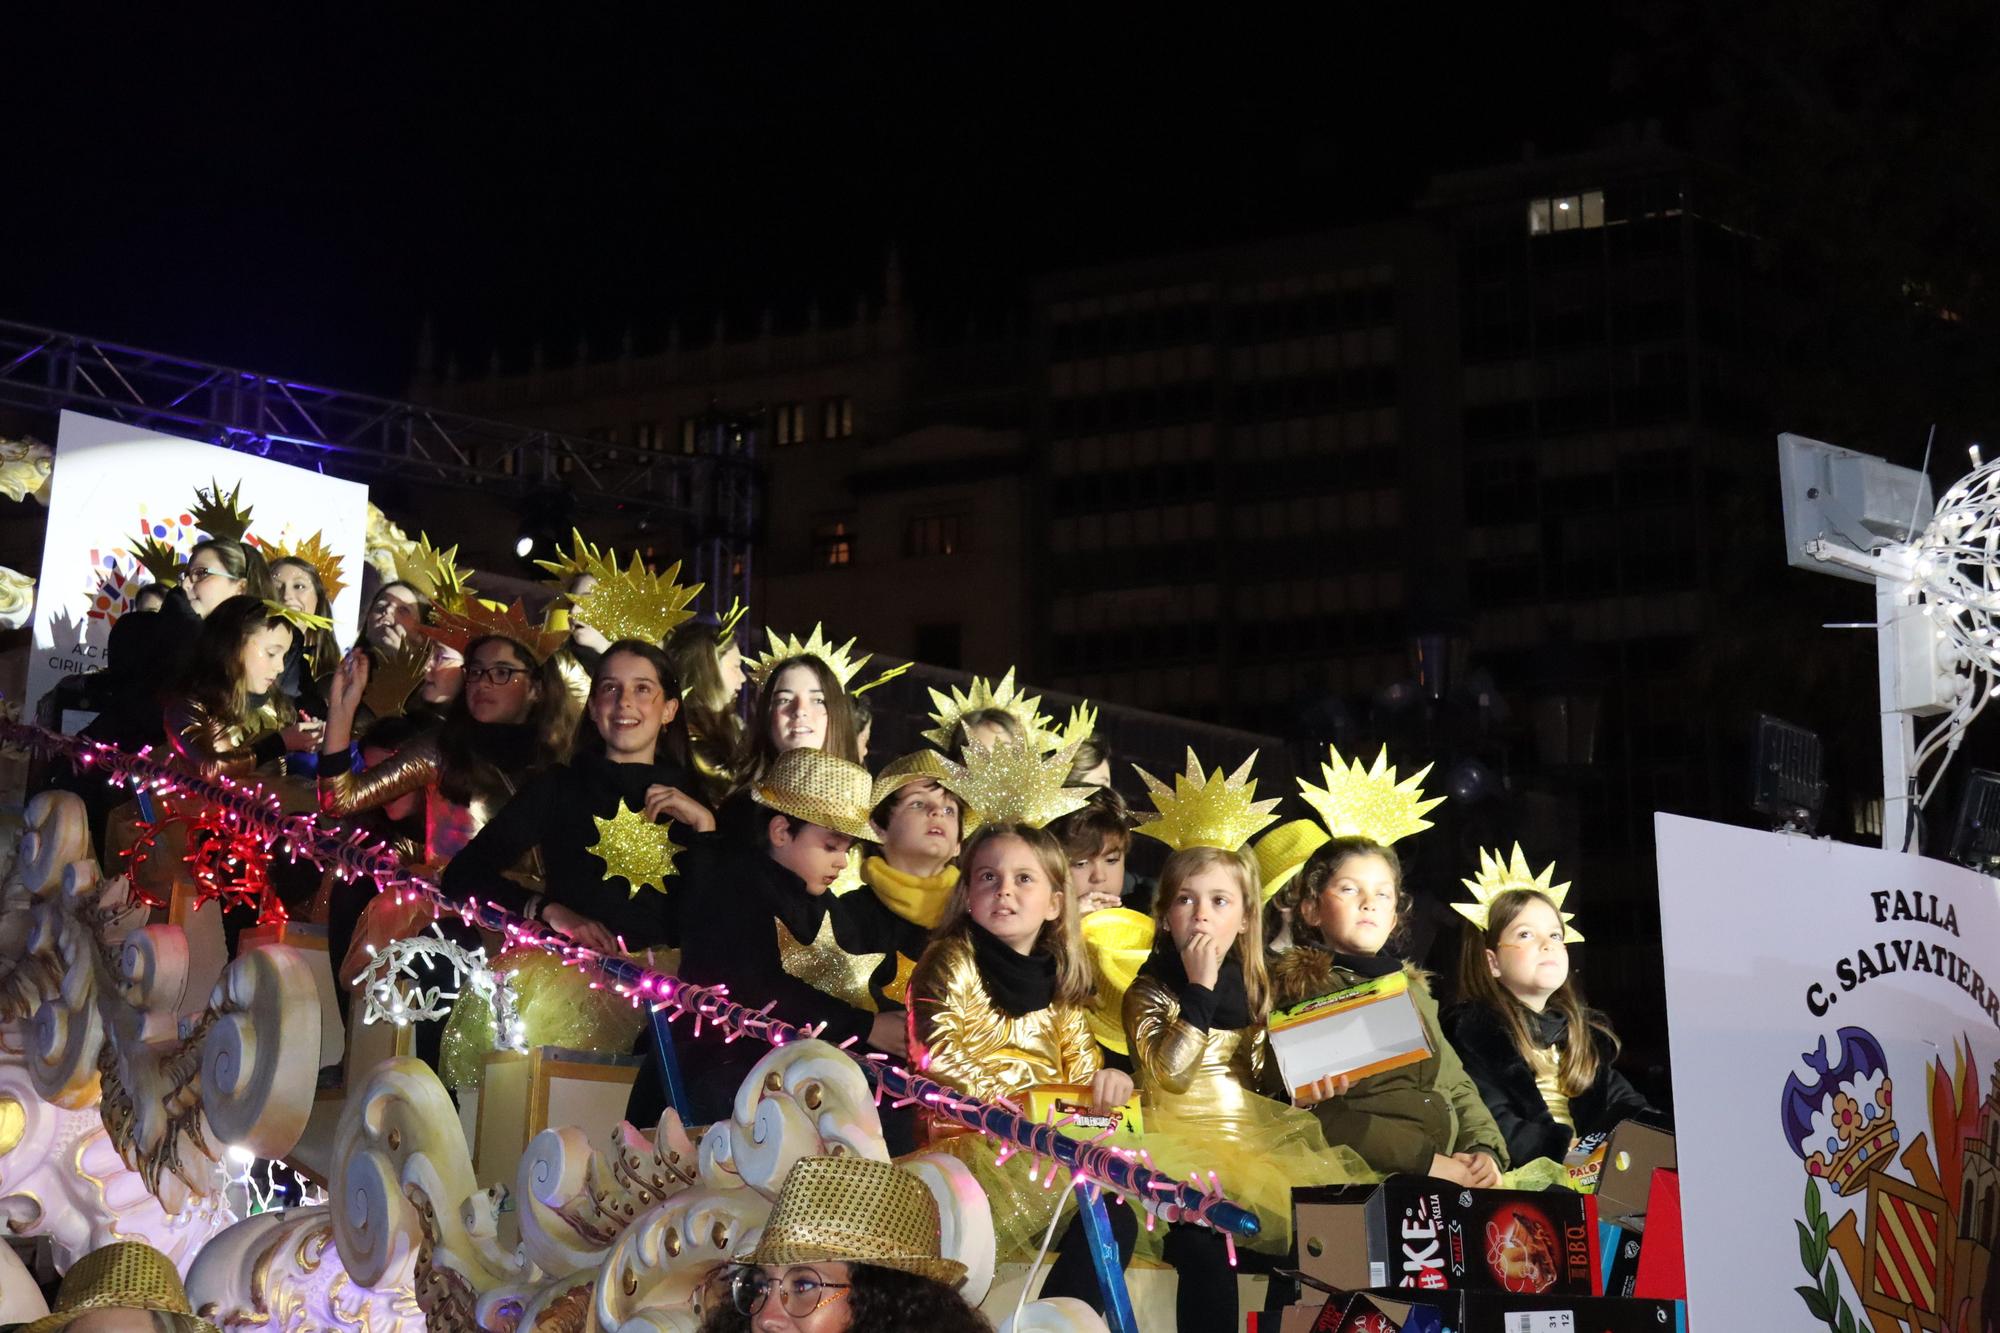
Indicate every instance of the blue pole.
{"type": "Point", "coordinates": [1105, 1259]}
{"type": "Point", "coordinates": [670, 1063]}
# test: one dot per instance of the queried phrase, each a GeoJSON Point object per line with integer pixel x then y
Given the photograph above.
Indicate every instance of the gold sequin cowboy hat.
{"type": "Point", "coordinates": [123, 1276]}
{"type": "Point", "coordinates": [819, 788]}
{"type": "Point", "coordinates": [855, 1211]}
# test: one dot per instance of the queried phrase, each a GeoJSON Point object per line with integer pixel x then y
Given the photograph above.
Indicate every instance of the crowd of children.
{"type": "Point", "coordinates": [968, 908]}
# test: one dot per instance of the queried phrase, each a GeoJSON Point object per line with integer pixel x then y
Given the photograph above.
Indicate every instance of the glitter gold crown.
{"type": "Point", "coordinates": [1014, 783]}
{"type": "Point", "coordinates": [1497, 875]}
{"type": "Point", "coordinates": [435, 573]}
{"type": "Point", "coordinates": [725, 628]}
{"type": "Point", "coordinates": [1082, 724]}
{"type": "Point", "coordinates": [305, 622]}
{"type": "Point", "coordinates": [159, 559]}
{"type": "Point", "coordinates": [635, 603]}
{"type": "Point", "coordinates": [1369, 803]}
{"type": "Point", "coordinates": [220, 514]}
{"type": "Point", "coordinates": [840, 661]}
{"type": "Point", "coordinates": [953, 708]}
{"type": "Point", "coordinates": [581, 558]}
{"type": "Point", "coordinates": [476, 620]}
{"type": "Point", "coordinates": [315, 552]}
{"type": "Point", "coordinates": [1206, 810]}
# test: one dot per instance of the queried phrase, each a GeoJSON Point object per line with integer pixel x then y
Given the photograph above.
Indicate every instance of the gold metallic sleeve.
{"type": "Point", "coordinates": [411, 768]}
{"type": "Point", "coordinates": [963, 1038]}
{"type": "Point", "coordinates": [1165, 1050]}
{"type": "Point", "coordinates": [216, 744]}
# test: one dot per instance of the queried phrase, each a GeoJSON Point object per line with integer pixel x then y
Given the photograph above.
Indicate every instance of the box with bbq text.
{"type": "Point", "coordinates": [1420, 1233]}
{"type": "Point", "coordinates": [1365, 1029]}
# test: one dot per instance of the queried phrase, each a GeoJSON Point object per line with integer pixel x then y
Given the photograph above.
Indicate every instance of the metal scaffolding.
{"type": "Point", "coordinates": [710, 494]}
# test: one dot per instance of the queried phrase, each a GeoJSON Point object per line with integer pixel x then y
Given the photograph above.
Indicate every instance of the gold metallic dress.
{"type": "Point", "coordinates": [221, 746]}
{"type": "Point", "coordinates": [959, 1038]}
{"type": "Point", "coordinates": [1203, 1113]}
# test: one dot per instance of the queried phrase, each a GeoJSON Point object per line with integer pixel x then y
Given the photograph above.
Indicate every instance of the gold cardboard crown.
{"type": "Point", "coordinates": [1369, 803]}
{"type": "Point", "coordinates": [582, 558]}
{"type": "Point", "coordinates": [1207, 811]}
{"type": "Point", "coordinates": [725, 628]}
{"type": "Point", "coordinates": [841, 661]}
{"type": "Point", "coordinates": [435, 573]}
{"type": "Point", "coordinates": [952, 710]}
{"type": "Point", "coordinates": [1497, 875]}
{"type": "Point", "coordinates": [1082, 724]}
{"type": "Point", "coordinates": [635, 603]}
{"type": "Point", "coordinates": [1014, 783]}
{"type": "Point", "coordinates": [159, 559]}
{"type": "Point", "coordinates": [475, 620]}
{"type": "Point", "coordinates": [394, 675]}
{"type": "Point", "coordinates": [305, 622]}
{"type": "Point", "coordinates": [315, 552]}
{"type": "Point", "coordinates": [219, 514]}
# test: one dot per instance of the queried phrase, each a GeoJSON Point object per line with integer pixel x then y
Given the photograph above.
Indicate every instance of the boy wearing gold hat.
{"type": "Point", "coordinates": [764, 925]}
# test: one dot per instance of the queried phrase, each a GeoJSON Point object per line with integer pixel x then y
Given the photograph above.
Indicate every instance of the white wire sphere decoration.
{"type": "Point", "coordinates": [1957, 570]}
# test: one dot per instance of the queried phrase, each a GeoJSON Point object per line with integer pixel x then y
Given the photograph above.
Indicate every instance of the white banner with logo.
{"type": "Point", "coordinates": [1835, 1034]}
{"type": "Point", "coordinates": [114, 484]}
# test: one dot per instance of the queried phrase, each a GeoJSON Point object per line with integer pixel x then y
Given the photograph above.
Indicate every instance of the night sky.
{"type": "Point", "coordinates": [299, 200]}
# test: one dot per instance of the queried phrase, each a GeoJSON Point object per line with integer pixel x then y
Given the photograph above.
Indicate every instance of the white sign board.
{"type": "Point", "coordinates": [1835, 1033]}
{"type": "Point", "coordinates": [114, 483]}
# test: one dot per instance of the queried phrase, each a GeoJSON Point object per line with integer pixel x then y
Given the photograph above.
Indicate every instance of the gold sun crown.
{"type": "Point", "coordinates": [315, 552]}
{"type": "Point", "coordinates": [953, 708]}
{"type": "Point", "coordinates": [581, 558]}
{"type": "Point", "coordinates": [1082, 724]}
{"type": "Point", "coordinates": [1207, 810]}
{"type": "Point", "coordinates": [1497, 875]}
{"type": "Point", "coordinates": [219, 514]}
{"type": "Point", "coordinates": [435, 572]}
{"type": "Point", "coordinates": [839, 660]}
{"type": "Point", "coordinates": [1369, 803]}
{"type": "Point", "coordinates": [305, 622]}
{"type": "Point", "coordinates": [476, 620]}
{"type": "Point", "coordinates": [159, 559]}
{"type": "Point", "coordinates": [1013, 782]}
{"type": "Point", "coordinates": [725, 628]}
{"type": "Point", "coordinates": [635, 603]}
{"type": "Point", "coordinates": [394, 675]}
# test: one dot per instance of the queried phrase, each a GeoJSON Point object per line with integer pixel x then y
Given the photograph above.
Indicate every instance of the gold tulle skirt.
{"type": "Point", "coordinates": [557, 1006]}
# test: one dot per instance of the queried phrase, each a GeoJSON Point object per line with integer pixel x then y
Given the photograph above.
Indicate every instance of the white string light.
{"type": "Point", "coordinates": [393, 992]}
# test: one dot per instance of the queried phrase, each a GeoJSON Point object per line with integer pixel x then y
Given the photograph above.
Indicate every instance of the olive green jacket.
{"type": "Point", "coordinates": [1401, 1118]}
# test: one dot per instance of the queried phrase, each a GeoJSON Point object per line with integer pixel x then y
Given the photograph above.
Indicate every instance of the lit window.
{"type": "Point", "coordinates": [833, 545]}
{"type": "Point", "coordinates": [1566, 212]}
{"type": "Point", "coordinates": [934, 534]}
{"type": "Point", "coordinates": [690, 426]}
{"type": "Point", "coordinates": [791, 423]}
{"type": "Point", "coordinates": [836, 418]}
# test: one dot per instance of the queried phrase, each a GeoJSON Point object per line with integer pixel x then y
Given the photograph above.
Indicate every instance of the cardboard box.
{"type": "Point", "coordinates": [1482, 1312]}
{"type": "Point", "coordinates": [1363, 1030]}
{"type": "Point", "coordinates": [1625, 1184]}
{"type": "Point", "coordinates": [1425, 1234]}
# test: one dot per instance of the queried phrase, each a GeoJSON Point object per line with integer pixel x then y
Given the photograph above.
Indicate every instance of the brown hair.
{"type": "Point", "coordinates": [1184, 865]}
{"type": "Point", "coordinates": [1091, 751]}
{"type": "Point", "coordinates": [886, 808]}
{"type": "Point", "coordinates": [322, 651]}
{"type": "Point", "coordinates": [980, 717]}
{"type": "Point", "coordinates": [240, 560]}
{"type": "Point", "coordinates": [1579, 1065]}
{"type": "Point", "coordinates": [214, 676]}
{"type": "Point", "coordinates": [758, 751]}
{"type": "Point", "coordinates": [1326, 862]}
{"type": "Point", "coordinates": [1085, 832]}
{"type": "Point", "coordinates": [1061, 938]}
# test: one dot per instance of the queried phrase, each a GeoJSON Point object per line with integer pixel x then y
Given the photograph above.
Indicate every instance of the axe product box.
{"type": "Point", "coordinates": [1419, 1233]}
{"type": "Point", "coordinates": [1478, 1312]}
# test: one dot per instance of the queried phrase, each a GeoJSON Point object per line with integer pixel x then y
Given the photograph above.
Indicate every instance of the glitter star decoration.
{"type": "Point", "coordinates": [839, 660]}
{"type": "Point", "coordinates": [1497, 875]}
{"type": "Point", "coordinates": [828, 968]}
{"type": "Point", "coordinates": [1013, 783]}
{"type": "Point", "coordinates": [953, 708]}
{"type": "Point", "coordinates": [1369, 803]}
{"type": "Point", "coordinates": [1206, 810]}
{"type": "Point", "coordinates": [581, 558]}
{"type": "Point", "coordinates": [160, 559]}
{"type": "Point", "coordinates": [635, 849]}
{"type": "Point", "coordinates": [313, 551]}
{"type": "Point", "coordinates": [1082, 724]}
{"type": "Point", "coordinates": [221, 514]}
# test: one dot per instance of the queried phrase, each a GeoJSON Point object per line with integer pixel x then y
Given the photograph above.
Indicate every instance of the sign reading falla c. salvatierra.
{"type": "Point", "coordinates": [1836, 1046]}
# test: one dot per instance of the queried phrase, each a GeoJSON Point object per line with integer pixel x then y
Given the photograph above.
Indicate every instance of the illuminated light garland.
{"type": "Point", "coordinates": [250, 811]}
{"type": "Point", "coordinates": [386, 1000]}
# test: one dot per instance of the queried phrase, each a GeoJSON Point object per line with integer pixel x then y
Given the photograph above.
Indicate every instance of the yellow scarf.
{"type": "Point", "coordinates": [918, 899]}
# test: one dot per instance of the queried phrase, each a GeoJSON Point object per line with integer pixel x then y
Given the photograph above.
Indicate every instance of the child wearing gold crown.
{"type": "Point", "coordinates": [801, 703]}
{"type": "Point", "coordinates": [1541, 1059]}
{"type": "Point", "coordinates": [1194, 1020]}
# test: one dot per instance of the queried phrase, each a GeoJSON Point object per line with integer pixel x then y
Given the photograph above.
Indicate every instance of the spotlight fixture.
{"type": "Point", "coordinates": [1787, 777]}
{"type": "Point", "coordinates": [524, 545]}
{"type": "Point", "coordinates": [1975, 836]}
